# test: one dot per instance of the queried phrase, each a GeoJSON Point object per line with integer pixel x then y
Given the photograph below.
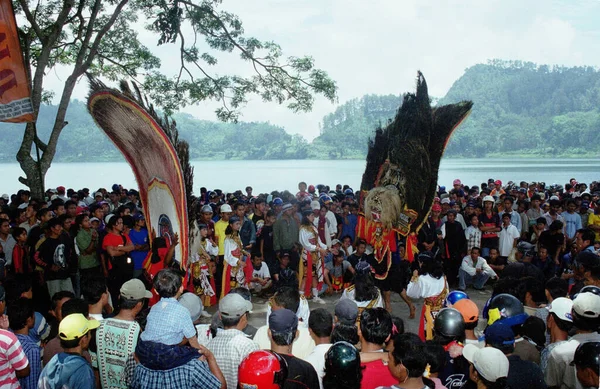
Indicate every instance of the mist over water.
{"type": "Point", "coordinates": [266, 176]}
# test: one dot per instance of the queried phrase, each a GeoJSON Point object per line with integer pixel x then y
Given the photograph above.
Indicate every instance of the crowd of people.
{"type": "Point", "coordinates": [92, 298]}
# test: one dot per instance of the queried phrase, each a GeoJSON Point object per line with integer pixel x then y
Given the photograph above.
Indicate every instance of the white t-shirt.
{"type": "Point", "coordinates": [317, 360]}
{"type": "Point", "coordinates": [302, 346]}
{"type": "Point", "coordinates": [507, 239]}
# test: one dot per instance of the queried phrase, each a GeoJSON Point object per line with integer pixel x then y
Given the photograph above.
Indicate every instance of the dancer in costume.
{"type": "Point", "coordinates": [364, 292]}
{"type": "Point", "coordinates": [236, 258]}
{"type": "Point", "coordinates": [430, 284]}
{"type": "Point", "coordinates": [201, 268]}
{"type": "Point", "coordinates": [381, 262]}
{"type": "Point", "coordinates": [312, 266]}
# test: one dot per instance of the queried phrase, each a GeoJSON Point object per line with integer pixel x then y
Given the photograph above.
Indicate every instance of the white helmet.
{"type": "Point", "coordinates": [489, 198]}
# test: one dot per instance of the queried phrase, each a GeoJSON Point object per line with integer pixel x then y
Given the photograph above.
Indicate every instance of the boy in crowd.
{"type": "Point", "coordinates": [261, 278]}
{"type": "Point", "coordinates": [21, 316]}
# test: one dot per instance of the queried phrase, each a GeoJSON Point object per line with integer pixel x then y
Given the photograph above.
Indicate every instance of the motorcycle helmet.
{"type": "Point", "coordinates": [504, 306]}
{"type": "Point", "coordinates": [342, 360]}
{"type": "Point", "coordinates": [453, 297]}
{"type": "Point", "coordinates": [262, 369]}
{"type": "Point", "coordinates": [449, 323]}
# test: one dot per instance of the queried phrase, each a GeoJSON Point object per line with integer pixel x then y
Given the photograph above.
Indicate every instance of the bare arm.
{"type": "Point", "coordinates": [213, 366]}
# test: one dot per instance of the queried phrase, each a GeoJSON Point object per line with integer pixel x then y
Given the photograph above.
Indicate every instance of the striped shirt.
{"type": "Point", "coordinates": [32, 351]}
{"type": "Point", "coordinates": [12, 358]}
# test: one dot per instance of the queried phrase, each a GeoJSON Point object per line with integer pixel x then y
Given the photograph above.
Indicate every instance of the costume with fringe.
{"type": "Point", "coordinates": [311, 264]}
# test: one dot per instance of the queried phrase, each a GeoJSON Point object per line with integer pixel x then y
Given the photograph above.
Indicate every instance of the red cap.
{"type": "Point", "coordinates": [498, 183]}
{"type": "Point", "coordinates": [60, 189]}
{"type": "Point", "coordinates": [436, 207]}
{"type": "Point", "coordinates": [456, 182]}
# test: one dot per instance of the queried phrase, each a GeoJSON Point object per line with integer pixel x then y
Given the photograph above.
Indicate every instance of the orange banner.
{"type": "Point", "coordinates": [15, 101]}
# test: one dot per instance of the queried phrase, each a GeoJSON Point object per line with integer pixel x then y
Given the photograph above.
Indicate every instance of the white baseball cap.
{"type": "Point", "coordinates": [446, 200]}
{"type": "Point", "coordinates": [587, 305]}
{"type": "Point", "coordinates": [489, 362]}
{"type": "Point", "coordinates": [226, 208]}
{"type": "Point", "coordinates": [5, 197]}
{"type": "Point", "coordinates": [315, 205]}
{"type": "Point", "coordinates": [489, 198]}
{"type": "Point", "coordinates": [562, 307]}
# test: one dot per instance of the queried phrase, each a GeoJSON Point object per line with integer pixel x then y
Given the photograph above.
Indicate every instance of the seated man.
{"type": "Point", "coordinates": [338, 273]}
{"type": "Point", "coordinates": [474, 270]}
{"type": "Point", "coordinates": [261, 277]}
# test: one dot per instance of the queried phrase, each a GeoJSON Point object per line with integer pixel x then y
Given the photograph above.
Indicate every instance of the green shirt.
{"type": "Point", "coordinates": [83, 240]}
{"type": "Point", "coordinates": [116, 340]}
{"type": "Point", "coordinates": [285, 234]}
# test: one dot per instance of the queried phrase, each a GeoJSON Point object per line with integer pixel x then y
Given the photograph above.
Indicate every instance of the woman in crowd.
{"type": "Point", "coordinates": [236, 258]}
{"type": "Point", "coordinates": [364, 292]}
{"type": "Point", "coordinates": [311, 265]}
{"type": "Point", "coordinates": [430, 284]}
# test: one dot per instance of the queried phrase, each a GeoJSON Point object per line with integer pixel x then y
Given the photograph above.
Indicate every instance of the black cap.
{"type": "Point", "coordinates": [283, 321]}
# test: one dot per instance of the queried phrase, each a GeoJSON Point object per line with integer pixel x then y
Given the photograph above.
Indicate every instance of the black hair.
{"type": "Point", "coordinates": [320, 322]}
{"type": "Point", "coordinates": [409, 350]}
{"type": "Point", "coordinates": [586, 234]}
{"type": "Point", "coordinates": [229, 322]}
{"type": "Point", "coordinates": [557, 287]}
{"type": "Point", "coordinates": [433, 267]}
{"type": "Point", "coordinates": [53, 223]}
{"type": "Point", "coordinates": [534, 329]}
{"type": "Point", "coordinates": [128, 221]}
{"type": "Point", "coordinates": [556, 225]}
{"type": "Point", "coordinates": [17, 231]}
{"type": "Point", "coordinates": [288, 298]}
{"type": "Point", "coordinates": [113, 221]}
{"type": "Point", "coordinates": [365, 289]}
{"type": "Point", "coordinates": [305, 221]}
{"type": "Point", "coordinates": [436, 356]}
{"type": "Point", "coordinates": [129, 304]}
{"type": "Point", "coordinates": [167, 283]}
{"type": "Point", "coordinates": [15, 286]}
{"type": "Point", "coordinates": [344, 332]}
{"type": "Point", "coordinates": [68, 203]}
{"type": "Point", "coordinates": [93, 289]}
{"type": "Point", "coordinates": [284, 338]}
{"type": "Point", "coordinates": [59, 296]}
{"type": "Point", "coordinates": [375, 325]}
{"type": "Point", "coordinates": [399, 324]}
{"type": "Point", "coordinates": [534, 287]}
{"type": "Point", "coordinates": [245, 293]}
{"type": "Point", "coordinates": [505, 348]}
{"type": "Point", "coordinates": [19, 312]}
{"type": "Point", "coordinates": [75, 305]}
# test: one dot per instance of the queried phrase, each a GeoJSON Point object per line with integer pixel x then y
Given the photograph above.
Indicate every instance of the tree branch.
{"type": "Point", "coordinates": [31, 19]}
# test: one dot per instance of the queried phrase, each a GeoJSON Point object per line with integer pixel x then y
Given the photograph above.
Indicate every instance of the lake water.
{"type": "Point", "coordinates": [266, 176]}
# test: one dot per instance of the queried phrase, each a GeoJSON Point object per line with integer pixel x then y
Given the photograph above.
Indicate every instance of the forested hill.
{"type": "Point", "coordinates": [519, 109]}
{"type": "Point", "coordinates": [523, 108]}
{"type": "Point", "coordinates": [82, 140]}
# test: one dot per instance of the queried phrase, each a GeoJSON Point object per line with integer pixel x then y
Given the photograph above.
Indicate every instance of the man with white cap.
{"type": "Point", "coordinates": [558, 325]}
{"type": "Point", "coordinates": [586, 320]}
{"type": "Point", "coordinates": [522, 373]}
{"type": "Point", "coordinates": [489, 366]}
{"type": "Point", "coordinates": [117, 337]}
{"type": "Point", "coordinates": [230, 346]}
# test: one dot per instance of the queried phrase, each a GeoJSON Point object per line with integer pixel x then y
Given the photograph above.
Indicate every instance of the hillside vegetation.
{"type": "Point", "coordinates": [521, 109]}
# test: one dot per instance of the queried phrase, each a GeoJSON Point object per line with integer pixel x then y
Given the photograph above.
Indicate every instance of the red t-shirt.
{"type": "Point", "coordinates": [114, 240]}
{"type": "Point", "coordinates": [376, 374]}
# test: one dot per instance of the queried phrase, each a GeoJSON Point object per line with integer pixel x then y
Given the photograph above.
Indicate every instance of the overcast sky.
{"type": "Point", "coordinates": [377, 46]}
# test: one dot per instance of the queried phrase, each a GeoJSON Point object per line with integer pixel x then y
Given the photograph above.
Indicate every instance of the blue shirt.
{"type": "Point", "coordinates": [572, 223]}
{"type": "Point", "coordinates": [32, 351]}
{"type": "Point", "coordinates": [350, 228]}
{"type": "Point", "coordinates": [138, 238]}
{"type": "Point", "coordinates": [192, 375]}
{"type": "Point", "coordinates": [67, 371]}
{"type": "Point", "coordinates": [168, 323]}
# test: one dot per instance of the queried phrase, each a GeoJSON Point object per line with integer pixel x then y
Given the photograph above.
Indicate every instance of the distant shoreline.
{"type": "Point", "coordinates": [490, 156]}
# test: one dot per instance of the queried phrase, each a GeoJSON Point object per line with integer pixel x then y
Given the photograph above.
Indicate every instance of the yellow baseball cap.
{"type": "Point", "coordinates": [75, 325]}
